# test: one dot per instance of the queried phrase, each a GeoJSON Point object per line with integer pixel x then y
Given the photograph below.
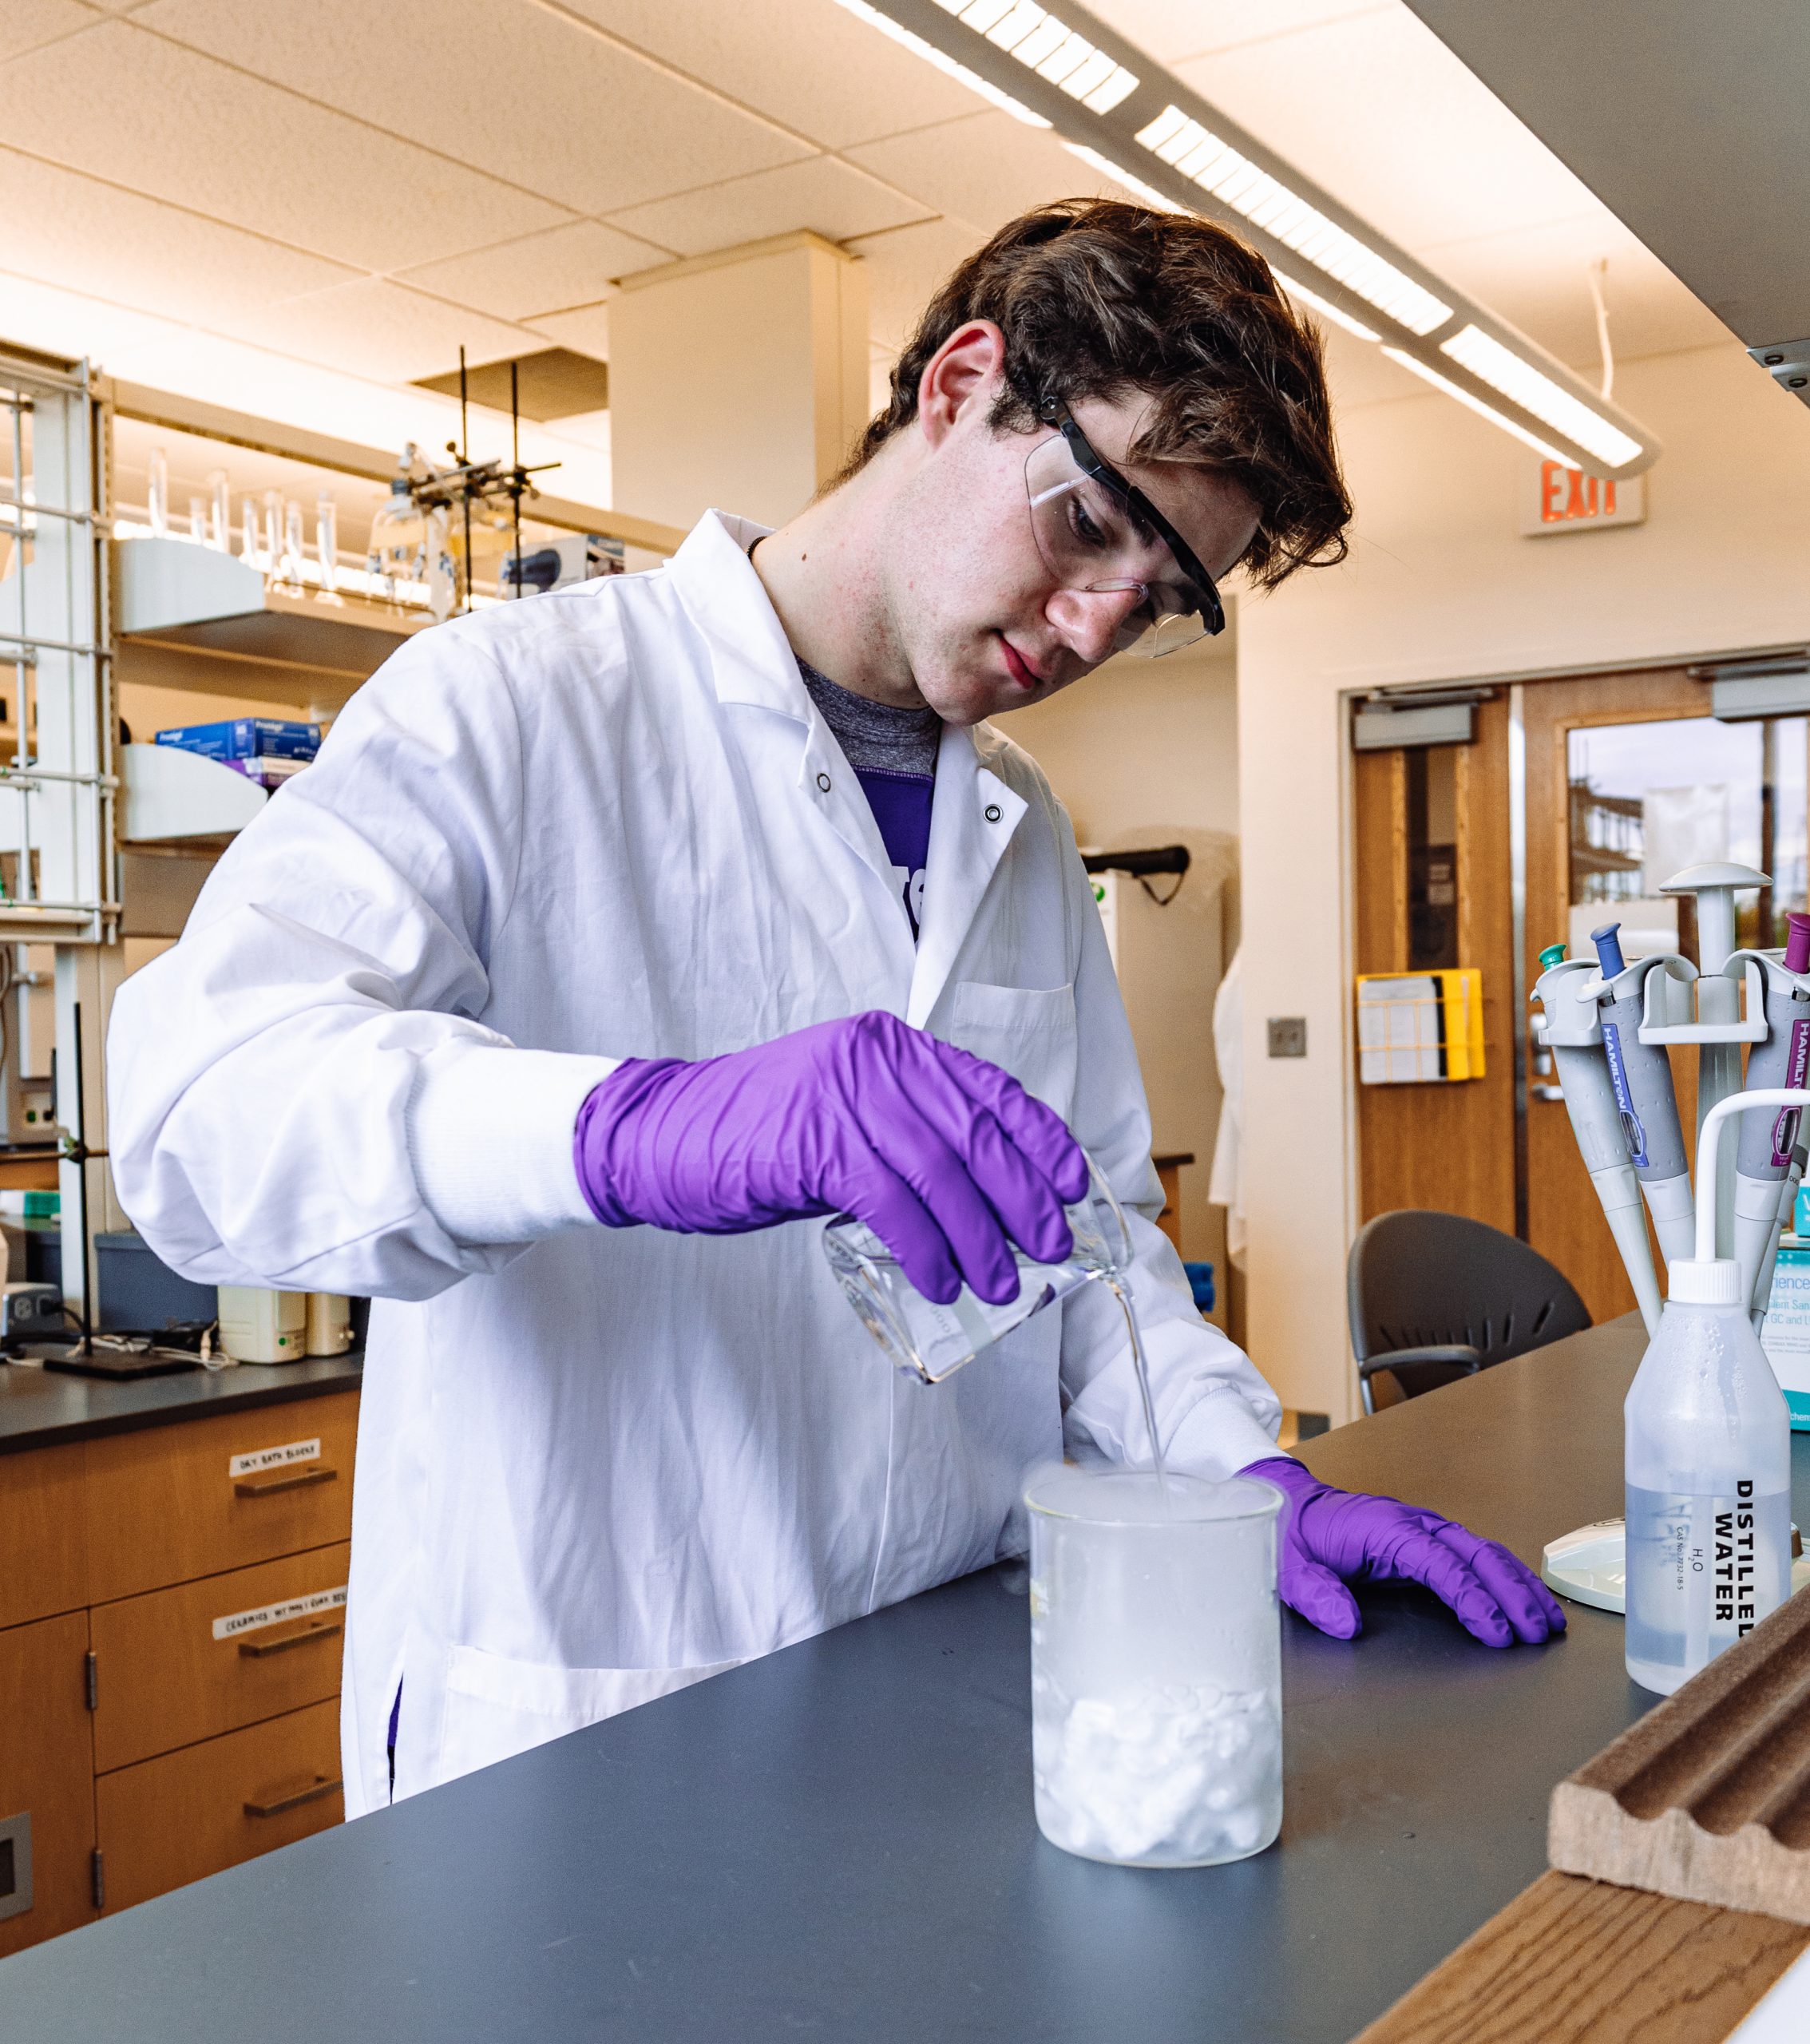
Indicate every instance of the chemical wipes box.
{"type": "Point", "coordinates": [1786, 1334]}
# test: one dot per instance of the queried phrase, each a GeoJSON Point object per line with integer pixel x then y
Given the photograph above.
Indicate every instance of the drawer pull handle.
{"type": "Point", "coordinates": [320, 1787]}
{"type": "Point", "coordinates": [296, 1479]}
{"type": "Point", "coordinates": [256, 1650]}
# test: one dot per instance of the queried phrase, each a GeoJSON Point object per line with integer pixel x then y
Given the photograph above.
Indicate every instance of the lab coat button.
{"type": "Point", "coordinates": [993, 812]}
{"type": "Point", "coordinates": [823, 782]}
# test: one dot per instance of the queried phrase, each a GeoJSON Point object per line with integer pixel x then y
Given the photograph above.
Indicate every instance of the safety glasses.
{"type": "Point", "coordinates": [1099, 533]}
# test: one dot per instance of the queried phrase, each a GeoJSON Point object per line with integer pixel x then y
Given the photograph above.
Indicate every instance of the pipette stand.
{"type": "Point", "coordinates": [1571, 1028]}
{"type": "Point", "coordinates": [1717, 1007]}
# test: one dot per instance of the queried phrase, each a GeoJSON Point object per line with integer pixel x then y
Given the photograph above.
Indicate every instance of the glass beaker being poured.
{"type": "Point", "coordinates": [931, 1342]}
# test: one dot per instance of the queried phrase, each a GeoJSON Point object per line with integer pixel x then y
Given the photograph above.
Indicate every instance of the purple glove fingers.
{"type": "Point", "coordinates": [1038, 1131]}
{"type": "Point", "coordinates": [1021, 1195]}
{"type": "Point", "coordinates": [1530, 1607]}
{"type": "Point", "coordinates": [910, 1146]}
{"type": "Point", "coordinates": [1319, 1596]}
{"type": "Point", "coordinates": [882, 1200]}
{"type": "Point", "coordinates": [1412, 1554]}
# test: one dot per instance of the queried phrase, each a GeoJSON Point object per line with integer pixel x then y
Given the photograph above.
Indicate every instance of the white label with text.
{"type": "Point", "coordinates": [279, 1614]}
{"type": "Point", "coordinates": [274, 1458]}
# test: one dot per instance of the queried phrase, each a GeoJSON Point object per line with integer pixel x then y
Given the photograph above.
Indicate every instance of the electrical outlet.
{"type": "Point", "coordinates": [1288, 1035]}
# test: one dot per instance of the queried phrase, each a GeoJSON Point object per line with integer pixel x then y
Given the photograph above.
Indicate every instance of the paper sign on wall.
{"type": "Point", "coordinates": [257, 1458]}
{"type": "Point", "coordinates": [1556, 499]}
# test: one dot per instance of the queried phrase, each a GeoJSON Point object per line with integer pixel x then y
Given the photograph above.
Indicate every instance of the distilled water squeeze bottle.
{"type": "Point", "coordinates": [1708, 1460]}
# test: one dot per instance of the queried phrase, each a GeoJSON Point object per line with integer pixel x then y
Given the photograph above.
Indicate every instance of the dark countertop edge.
{"type": "Point", "coordinates": [347, 1373]}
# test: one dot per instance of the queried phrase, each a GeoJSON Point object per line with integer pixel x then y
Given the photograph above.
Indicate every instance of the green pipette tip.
{"type": "Point", "coordinates": [1553, 955]}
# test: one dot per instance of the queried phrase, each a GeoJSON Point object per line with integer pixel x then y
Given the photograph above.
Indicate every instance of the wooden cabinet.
{"type": "Point", "coordinates": [47, 1777]}
{"type": "Point", "coordinates": [178, 1501]}
{"type": "Point", "coordinates": [175, 1666]}
{"type": "Point", "coordinates": [43, 1534]}
{"type": "Point", "coordinates": [171, 1628]}
{"type": "Point", "coordinates": [189, 1813]}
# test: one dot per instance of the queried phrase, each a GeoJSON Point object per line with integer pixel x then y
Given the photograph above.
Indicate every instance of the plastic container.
{"type": "Point", "coordinates": [136, 1291]}
{"type": "Point", "coordinates": [932, 1342]}
{"type": "Point", "coordinates": [1156, 1676]}
{"type": "Point", "coordinates": [1708, 1482]}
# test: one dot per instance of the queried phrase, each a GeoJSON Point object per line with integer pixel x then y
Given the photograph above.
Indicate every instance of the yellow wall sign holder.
{"type": "Point", "coordinates": [1421, 1029]}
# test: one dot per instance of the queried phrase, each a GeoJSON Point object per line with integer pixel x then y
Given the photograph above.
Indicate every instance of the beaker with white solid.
{"type": "Point", "coordinates": [1156, 1674]}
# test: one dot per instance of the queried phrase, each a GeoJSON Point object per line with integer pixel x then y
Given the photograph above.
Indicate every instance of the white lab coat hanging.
{"type": "Point", "coordinates": [598, 1464]}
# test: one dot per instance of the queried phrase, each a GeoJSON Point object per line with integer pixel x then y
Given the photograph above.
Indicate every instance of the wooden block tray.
{"type": "Point", "coordinates": [1708, 1798]}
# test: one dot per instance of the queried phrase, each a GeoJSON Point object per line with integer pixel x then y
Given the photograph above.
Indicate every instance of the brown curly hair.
{"type": "Point", "coordinates": [1095, 298]}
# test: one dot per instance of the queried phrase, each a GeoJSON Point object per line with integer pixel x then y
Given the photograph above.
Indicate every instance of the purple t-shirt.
{"type": "Point", "coordinates": [893, 753]}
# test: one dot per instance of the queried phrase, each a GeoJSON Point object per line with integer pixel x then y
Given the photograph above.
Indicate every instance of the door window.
{"type": "Point", "coordinates": [1646, 800]}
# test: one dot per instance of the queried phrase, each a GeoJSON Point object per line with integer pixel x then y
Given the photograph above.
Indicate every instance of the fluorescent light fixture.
{"type": "Point", "coordinates": [1325, 307]}
{"type": "Point", "coordinates": [1519, 381]}
{"type": "Point", "coordinates": [931, 54]}
{"type": "Point", "coordinates": [1267, 203]}
{"type": "Point", "coordinates": [1476, 404]}
{"type": "Point", "coordinates": [1096, 89]}
{"type": "Point", "coordinates": [1042, 43]}
{"type": "Point", "coordinates": [1160, 200]}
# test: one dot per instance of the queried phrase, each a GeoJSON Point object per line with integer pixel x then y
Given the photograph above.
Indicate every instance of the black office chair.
{"type": "Point", "coordinates": [1433, 1297]}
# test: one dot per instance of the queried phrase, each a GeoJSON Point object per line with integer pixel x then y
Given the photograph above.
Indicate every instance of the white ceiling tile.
{"type": "Point", "coordinates": [809, 63]}
{"type": "Point", "coordinates": [584, 328]}
{"type": "Point", "coordinates": [61, 227]}
{"type": "Point", "coordinates": [1538, 278]}
{"type": "Point", "coordinates": [147, 114]}
{"type": "Point", "coordinates": [905, 269]}
{"type": "Point", "coordinates": [514, 90]}
{"type": "Point", "coordinates": [986, 168]}
{"type": "Point", "coordinates": [1173, 29]}
{"type": "Point", "coordinates": [375, 328]}
{"type": "Point", "coordinates": [1377, 109]}
{"type": "Point", "coordinates": [572, 265]}
{"type": "Point", "coordinates": [830, 197]}
{"type": "Point", "coordinates": [26, 24]}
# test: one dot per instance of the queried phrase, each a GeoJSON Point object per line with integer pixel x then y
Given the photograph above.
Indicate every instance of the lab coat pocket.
{"type": "Point", "coordinates": [496, 1707]}
{"type": "Point", "coordinates": [1030, 1031]}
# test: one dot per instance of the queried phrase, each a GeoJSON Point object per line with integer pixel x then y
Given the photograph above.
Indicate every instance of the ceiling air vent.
{"type": "Point", "coordinates": [554, 383]}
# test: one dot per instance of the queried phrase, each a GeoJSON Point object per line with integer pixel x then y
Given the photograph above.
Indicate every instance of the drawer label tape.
{"type": "Point", "coordinates": [230, 1626]}
{"type": "Point", "coordinates": [258, 1459]}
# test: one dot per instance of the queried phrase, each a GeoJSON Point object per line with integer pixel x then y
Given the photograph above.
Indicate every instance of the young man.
{"type": "Point", "coordinates": [619, 932]}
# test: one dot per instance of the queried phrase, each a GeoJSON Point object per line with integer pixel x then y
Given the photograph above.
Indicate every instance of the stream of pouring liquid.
{"type": "Point", "coordinates": [1121, 1292]}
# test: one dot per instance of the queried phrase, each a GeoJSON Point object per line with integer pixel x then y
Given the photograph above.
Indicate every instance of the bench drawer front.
{"type": "Point", "coordinates": [174, 1503]}
{"type": "Point", "coordinates": [185, 1815]}
{"type": "Point", "coordinates": [187, 1663]}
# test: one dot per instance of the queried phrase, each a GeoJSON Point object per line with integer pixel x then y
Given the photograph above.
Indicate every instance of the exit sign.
{"type": "Point", "coordinates": [1556, 499]}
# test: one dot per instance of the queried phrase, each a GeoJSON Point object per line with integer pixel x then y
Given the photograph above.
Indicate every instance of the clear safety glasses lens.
{"type": "Point", "coordinates": [1090, 541]}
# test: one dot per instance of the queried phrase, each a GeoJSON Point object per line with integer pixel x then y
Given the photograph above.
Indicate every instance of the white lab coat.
{"type": "Point", "coordinates": [595, 1463]}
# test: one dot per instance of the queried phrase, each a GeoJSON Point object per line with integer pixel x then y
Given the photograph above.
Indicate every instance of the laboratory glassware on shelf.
{"type": "Point", "coordinates": [1156, 1718]}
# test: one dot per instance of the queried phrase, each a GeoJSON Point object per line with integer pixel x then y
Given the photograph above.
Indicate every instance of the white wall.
{"type": "Point", "coordinates": [1142, 742]}
{"type": "Point", "coordinates": [1441, 585]}
{"type": "Point", "coordinates": [1141, 753]}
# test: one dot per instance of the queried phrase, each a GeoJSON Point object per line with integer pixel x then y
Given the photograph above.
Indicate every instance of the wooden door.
{"type": "Point", "coordinates": [1446, 1146]}
{"type": "Point", "coordinates": [1603, 749]}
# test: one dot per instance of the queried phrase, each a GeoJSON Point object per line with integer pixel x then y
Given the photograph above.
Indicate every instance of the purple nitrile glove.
{"type": "Point", "coordinates": [1330, 1538]}
{"type": "Point", "coordinates": [942, 1155]}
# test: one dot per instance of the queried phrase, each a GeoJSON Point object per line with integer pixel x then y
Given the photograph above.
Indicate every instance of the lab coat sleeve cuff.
{"type": "Point", "coordinates": [490, 1140]}
{"type": "Point", "coordinates": [1219, 1435]}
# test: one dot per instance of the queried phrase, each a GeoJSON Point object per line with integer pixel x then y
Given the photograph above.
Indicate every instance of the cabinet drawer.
{"type": "Point", "coordinates": [187, 1814]}
{"type": "Point", "coordinates": [43, 1533]}
{"type": "Point", "coordinates": [175, 1665]}
{"type": "Point", "coordinates": [177, 1502]}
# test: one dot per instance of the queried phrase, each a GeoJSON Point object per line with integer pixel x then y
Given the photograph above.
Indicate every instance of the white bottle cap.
{"type": "Point", "coordinates": [1693, 1284]}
